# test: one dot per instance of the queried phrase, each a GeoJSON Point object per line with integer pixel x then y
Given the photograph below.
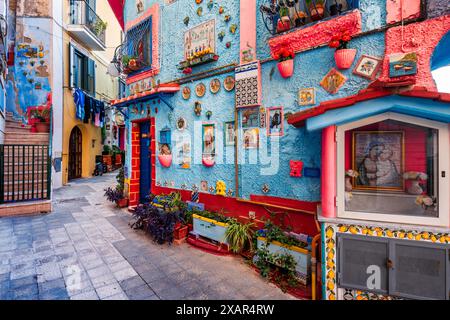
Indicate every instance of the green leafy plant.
{"type": "Point", "coordinates": [239, 236]}
{"type": "Point", "coordinates": [100, 26]}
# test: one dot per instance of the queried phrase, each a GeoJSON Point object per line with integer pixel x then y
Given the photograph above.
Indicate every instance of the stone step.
{"type": "Point", "coordinates": [25, 208]}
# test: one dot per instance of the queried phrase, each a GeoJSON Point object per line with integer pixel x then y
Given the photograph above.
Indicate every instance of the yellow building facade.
{"type": "Point", "coordinates": [90, 37]}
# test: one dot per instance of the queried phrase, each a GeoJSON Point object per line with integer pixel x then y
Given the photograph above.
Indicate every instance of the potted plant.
{"type": "Point", "coordinates": [239, 236]}
{"type": "Point", "coordinates": [285, 65]}
{"type": "Point", "coordinates": [116, 196]}
{"type": "Point", "coordinates": [343, 56]}
{"type": "Point", "coordinates": [316, 9]}
{"type": "Point", "coordinates": [99, 27]}
{"type": "Point", "coordinates": [43, 117]}
{"type": "Point", "coordinates": [284, 23]}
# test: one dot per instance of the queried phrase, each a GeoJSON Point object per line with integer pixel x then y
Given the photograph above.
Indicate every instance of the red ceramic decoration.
{"type": "Point", "coordinates": [344, 58]}
{"type": "Point", "coordinates": [165, 160]}
{"type": "Point", "coordinates": [208, 161]}
{"type": "Point", "coordinates": [296, 168]}
{"type": "Point", "coordinates": [286, 68]}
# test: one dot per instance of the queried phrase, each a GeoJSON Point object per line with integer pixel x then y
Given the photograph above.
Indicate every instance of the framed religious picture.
{"type": "Point", "coordinates": [367, 67]}
{"type": "Point", "coordinates": [251, 138]}
{"type": "Point", "coordinates": [229, 133]}
{"type": "Point", "coordinates": [209, 139]}
{"type": "Point", "coordinates": [307, 97]}
{"type": "Point", "coordinates": [250, 117]}
{"type": "Point", "coordinates": [275, 121]}
{"type": "Point", "coordinates": [378, 158]}
{"type": "Point", "coordinates": [333, 81]}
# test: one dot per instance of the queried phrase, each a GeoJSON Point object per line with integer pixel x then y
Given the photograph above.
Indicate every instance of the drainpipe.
{"type": "Point", "coordinates": [315, 245]}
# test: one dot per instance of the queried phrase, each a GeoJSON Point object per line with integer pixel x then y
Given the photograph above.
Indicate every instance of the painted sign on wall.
{"type": "Point", "coordinates": [200, 38]}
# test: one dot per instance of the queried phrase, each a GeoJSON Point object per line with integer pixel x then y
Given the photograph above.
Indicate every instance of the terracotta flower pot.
{"type": "Point", "coordinates": [344, 58]}
{"type": "Point", "coordinates": [317, 12]}
{"type": "Point", "coordinates": [42, 127]}
{"type": "Point", "coordinates": [181, 233]}
{"type": "Point", "coordinates": [286, 68]}
{"type": "Point", "coordinates": [122, 203]}
{"type": "Point", "coordinates": [165, 160]}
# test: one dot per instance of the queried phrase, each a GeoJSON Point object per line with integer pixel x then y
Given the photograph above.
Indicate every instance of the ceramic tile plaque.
{"type": "Point", "coordinates": [248, 85]}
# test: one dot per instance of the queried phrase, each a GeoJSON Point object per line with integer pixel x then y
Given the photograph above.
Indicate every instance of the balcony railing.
{"type": "Point", "coordinates": [283, 15]}
{"type": "Point", "coordinates": [83, 14]}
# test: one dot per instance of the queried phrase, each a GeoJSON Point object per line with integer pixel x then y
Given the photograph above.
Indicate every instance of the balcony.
{"type": "Point", "coordinates": [86, 25]}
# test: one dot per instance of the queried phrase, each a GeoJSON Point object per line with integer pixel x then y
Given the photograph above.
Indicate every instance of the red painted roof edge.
{"type": "Point", "coordinates": [163, 88]}
{"type": "Point", "coordinates": [117, 7]}
{"type": "Point", "coordinates": [298, 119]}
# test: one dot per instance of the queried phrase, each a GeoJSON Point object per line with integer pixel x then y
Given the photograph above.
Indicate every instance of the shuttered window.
{"type": "Point", "coordinates": [82, 71]}
{"type": "Point", "coordinates": [402, 268]}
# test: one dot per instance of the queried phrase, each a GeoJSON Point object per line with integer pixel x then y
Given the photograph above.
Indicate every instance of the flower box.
{"type": "Point", "coordinates": [302, 257]}
{"type": "Point", "coordinates": [198, 61]}
{"type": "Point", "coordinates": [210, 229]}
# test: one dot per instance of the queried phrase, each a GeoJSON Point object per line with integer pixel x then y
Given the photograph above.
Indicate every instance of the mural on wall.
{"type": "Point", "coordinates": [32, 67]}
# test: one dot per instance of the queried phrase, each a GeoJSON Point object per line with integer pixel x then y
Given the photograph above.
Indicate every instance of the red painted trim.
{"type": "Point", "coordinates": [142, 76]}
{"type": "Point", "coordinates": [291, 203]}
{"type": "Point", "coordinates": [164, 88]}
{"type": "Point", "coordinates": [298, 119]}
{"type": "Point", "coordinates": [329, 167]}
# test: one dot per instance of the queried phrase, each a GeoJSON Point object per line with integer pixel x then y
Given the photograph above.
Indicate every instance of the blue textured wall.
{"type": "Point", "coordinates": [296, 144]}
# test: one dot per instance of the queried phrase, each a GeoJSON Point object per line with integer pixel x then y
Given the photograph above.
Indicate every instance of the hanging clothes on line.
{"type": "Point", "coordinates": [79, 100]}
{"type": "Point", "coordinates": [89, 109]}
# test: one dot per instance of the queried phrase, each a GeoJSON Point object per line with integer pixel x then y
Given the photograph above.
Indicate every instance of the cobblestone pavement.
{"type": "Point", "coordinates": [85, 250]}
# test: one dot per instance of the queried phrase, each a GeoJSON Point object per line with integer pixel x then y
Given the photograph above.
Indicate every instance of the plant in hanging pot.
{"type": "Point", "coordinates": [284, 23]}
{"type": "Point", "coordinates": [343, 56]}
{"type": "Point", "coordinates": [285, 65]}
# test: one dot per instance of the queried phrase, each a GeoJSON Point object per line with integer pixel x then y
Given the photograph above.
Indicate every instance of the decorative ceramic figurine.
{"type": "Point", "coordinates": [415, 179]}
{"type": "Point", "coordinates": [221, 188]}
{"type": "Point", "coordinates": [198, 109]}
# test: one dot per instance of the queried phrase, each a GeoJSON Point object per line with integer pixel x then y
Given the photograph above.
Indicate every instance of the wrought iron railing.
{"type": "Point", "coordinates": [83, 14]}
{"type": "Point", "coordinates": [283, 15]}
{"type": "Point", "coordinates": [135, 53]}
{"type": "Point", "coordinates": [25, 173]}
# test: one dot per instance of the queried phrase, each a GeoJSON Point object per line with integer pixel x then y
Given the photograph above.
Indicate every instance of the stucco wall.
{"type": "Point", "coordinates": [437, 8]}
{"type": "Point", "coordinates": [296, 144]}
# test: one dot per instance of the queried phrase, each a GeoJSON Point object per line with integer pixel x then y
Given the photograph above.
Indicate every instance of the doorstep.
{"type": "Point", "coordinates": [25, 208]}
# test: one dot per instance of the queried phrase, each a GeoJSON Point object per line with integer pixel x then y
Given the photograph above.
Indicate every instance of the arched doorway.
{"type": "Point", "coordinates": [75, 154]}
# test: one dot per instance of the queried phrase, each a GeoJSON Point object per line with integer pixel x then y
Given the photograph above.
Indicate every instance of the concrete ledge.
{"type": "Point", "coordinates": [25, 208]}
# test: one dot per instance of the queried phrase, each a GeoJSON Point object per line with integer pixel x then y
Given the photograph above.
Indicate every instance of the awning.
{"type": "Point", "coordinates": [157, 92]}
{"type": "Point", "coordinates": [117, 7]}
{"type": "Point", "coordinates": [416, 102]}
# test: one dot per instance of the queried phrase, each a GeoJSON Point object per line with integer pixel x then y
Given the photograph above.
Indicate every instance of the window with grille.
{"type": "Point", "coordinates": [139, 43]}
{"type": "Point", "coordinates": [401, 268]}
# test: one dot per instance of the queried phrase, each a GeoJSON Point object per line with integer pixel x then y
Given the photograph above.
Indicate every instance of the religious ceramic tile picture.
{"type": "Point", "coordinates": [262, 118]}
{"type": "Point", "coordinates": [378, 158]}
{"type": "Point", "coordinates": [275, 121]}
{"type": "Point", "coordinates": [140, 6]}
{"type": "Point", "coordinates": [181, 124]}
{"type": "Point", "coordinates": [209, 139]}
{"type": "Point", "coordinates": [402, 64]}
{"type": "Point", "coordinates": [229, 83]}
{"type": "Point", "coordinates": [251, 138]}
{"type": "Point", "coordinates": [200, 90]}
{"type": "Point", "coordinates": [368, 67]}
{"type": "Point", "coordinates": [333, 81]}
{"type": "Point", "coordinates": [307, 97]}
{"type": "Point", "coordinates": [215, 85]}
{"type": "Point", "coordinates": [186, 93]}
{"type": "Point", "coordinates": [250, 118]}
{"type": "Point", "coordinates": [229, 133]}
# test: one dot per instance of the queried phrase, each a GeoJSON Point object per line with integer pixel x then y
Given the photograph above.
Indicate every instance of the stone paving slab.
{"type": "Point", "coordinates": [85, 250]}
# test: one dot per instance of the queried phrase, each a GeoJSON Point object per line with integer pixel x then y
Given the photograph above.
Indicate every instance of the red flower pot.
{"type": "Point", "coordinates": [42, 127]}
{"type": "Point", "coordinates": [286, 68]}
{"type": "Point", "coordinates": [165, 160]}
{"type": "Point", "coordinates": [122, 203]}
{"type": "Point", "coordinates": [344, 58]}
{"type": "Point", "coordinates": [208, 161]}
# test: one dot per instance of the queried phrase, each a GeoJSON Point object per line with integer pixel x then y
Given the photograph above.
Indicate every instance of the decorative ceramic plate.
{"type": "Point", "coordinates": [181, 124]}
{"type": "Point", "coordinates": [215, 85]}
{"type": "Point", "coordinates": [200, 90]}
{"type": "Point", "coordinates": [229, 83]}
{"type": "Point", "coordinates": [186, 93]}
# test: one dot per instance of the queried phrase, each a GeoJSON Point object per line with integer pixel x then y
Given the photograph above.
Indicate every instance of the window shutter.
{"type": "Point", "coordinates": [72, 69]}
{"type": "Point", "coordinates": [91, 77]}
